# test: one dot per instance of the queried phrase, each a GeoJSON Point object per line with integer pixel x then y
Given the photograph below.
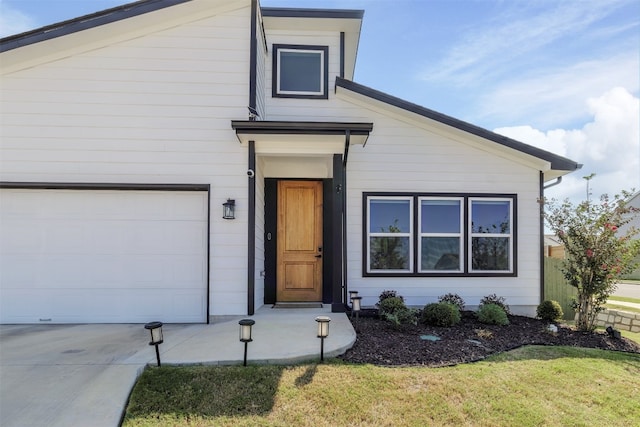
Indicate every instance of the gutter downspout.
{"type": "Point", "coordinates": [542, 188]}
{"type": "Point", "coordinates": [347, 141]}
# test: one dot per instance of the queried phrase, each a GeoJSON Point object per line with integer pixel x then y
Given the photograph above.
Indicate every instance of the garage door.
{"type": "Point", "coordinates": [102, 256]}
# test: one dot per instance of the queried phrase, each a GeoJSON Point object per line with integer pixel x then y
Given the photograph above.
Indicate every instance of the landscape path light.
{"type": "Point", "coordinates": [245, 335]}
{"type": "Point", "coordinates": [356, 306]}
{"type": "Point", "coordinates": [323, 332]}
{"type": "Point", "coordinates": [156, 336]}
{"type": "Point", "coordinates": [352, 294]}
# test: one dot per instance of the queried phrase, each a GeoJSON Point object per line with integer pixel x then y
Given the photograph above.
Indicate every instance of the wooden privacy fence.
{"type": "Point", "coordinates": [556, 287]}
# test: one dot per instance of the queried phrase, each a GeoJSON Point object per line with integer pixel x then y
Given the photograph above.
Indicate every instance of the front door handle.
{"type": "Point", "coordinates": [319, 256]}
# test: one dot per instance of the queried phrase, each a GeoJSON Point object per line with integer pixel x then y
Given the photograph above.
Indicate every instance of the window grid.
{"type": "Point", "coordinates": [380, 234]}
{"type": "Point", "coordinates": [459, 235]}
{"type": "Point", "coordinates": [466, 234]}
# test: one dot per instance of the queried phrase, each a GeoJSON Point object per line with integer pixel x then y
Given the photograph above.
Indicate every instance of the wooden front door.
{"type": "Point", "coordinates": [299, 247]}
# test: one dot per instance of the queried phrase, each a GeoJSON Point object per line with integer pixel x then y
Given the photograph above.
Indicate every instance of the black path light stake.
{"type": "Point", "coordinates": [323, 332]}
{"type": "Point", "coordinates": [156, 336]}
{"type": "Point", "coordinates": [355, 306]}
{"type": "Point", "coordinates": [245, 334]}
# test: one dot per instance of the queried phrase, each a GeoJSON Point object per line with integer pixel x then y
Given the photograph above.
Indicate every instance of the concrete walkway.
{"type": "Point", "coordinates": [81, 375]}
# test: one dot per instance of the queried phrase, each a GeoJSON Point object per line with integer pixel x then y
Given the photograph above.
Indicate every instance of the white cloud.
{"type": "Point", "coordinates": [608, 145]}
{"type": "Point", "coordinates": [13, 21]}
{"type": "Point", "coordinates": [555, 96]}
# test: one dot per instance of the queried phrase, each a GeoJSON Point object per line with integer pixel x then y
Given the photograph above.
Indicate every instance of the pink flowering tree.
{"type": "Point", "coordinates": [597, 253]}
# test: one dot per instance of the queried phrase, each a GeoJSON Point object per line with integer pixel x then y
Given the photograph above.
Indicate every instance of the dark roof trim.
{"type": "Point", "coordinates": [557, 162]}
{"type": "Point", "coordinates": [290, 12]}
{"type": "Point", "coordinates": [300, 128]}
{"type": "Point", "coordinates": [85, 22]}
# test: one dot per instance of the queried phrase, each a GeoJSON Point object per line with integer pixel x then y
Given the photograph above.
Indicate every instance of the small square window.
{"type": "Point", "coordinates": [300, 71]}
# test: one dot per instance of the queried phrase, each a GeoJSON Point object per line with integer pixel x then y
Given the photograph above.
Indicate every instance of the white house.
{"type": "Point", "coordinates": [124, 133]}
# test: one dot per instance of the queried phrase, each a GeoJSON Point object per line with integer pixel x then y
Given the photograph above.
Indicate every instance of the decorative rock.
{"type": "Point", "coordinates": [429, 338]}
{"type": "Point", "coordinates": [552, 328]}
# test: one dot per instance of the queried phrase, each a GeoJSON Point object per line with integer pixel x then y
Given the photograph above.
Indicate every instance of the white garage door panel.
{"type": "Point", "coordinates": [76, 256]}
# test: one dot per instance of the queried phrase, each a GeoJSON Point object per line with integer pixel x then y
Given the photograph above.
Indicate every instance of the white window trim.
{"type": "Point", "coordinates": [502, 235]}
{"type": "Point", "coordinates": [322, 76]}
{"type": "Point", "coordinates": [459, 235]}
{"type": "Point", "coordinates": [380, 234]}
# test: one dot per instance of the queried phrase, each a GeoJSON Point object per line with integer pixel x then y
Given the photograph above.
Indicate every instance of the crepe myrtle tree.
{"type": "Point", "coordinates": [597, 252]}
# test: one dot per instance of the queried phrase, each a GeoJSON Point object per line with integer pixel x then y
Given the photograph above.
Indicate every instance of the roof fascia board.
{"type": "Point", "coordinates": [85, 22]}
{"type": "Point", "coordinates": [420, 113]}
{"type": "Point", "coordinates": [65, 44]}
{"type": "Point", "coordinates": [290, 12]}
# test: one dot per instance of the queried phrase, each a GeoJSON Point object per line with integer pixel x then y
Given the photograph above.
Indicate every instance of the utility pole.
{"type": "Point", "coordinates": [588, 178]}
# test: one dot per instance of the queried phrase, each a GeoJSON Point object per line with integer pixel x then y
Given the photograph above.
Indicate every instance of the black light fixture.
{"type": "Point", "coordinates": [245, 335]}
{"type": "Point", "coordinates": [229, 209]}
{"type": "Point", "coordinates": [356, 306]}
{"type": "Point", "coordinates": [156, 336]}
{"type": "Point", "coordinates": [323, 332]}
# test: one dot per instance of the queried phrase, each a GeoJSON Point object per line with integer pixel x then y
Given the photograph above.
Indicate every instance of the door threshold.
{"type": "Point", "coordinates": [297, 305]}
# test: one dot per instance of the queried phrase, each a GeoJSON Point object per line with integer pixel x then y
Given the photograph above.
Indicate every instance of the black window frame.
{"type": "Point", "coordinates": [276, 93]}
{"type": "Point", "coordinates": [466, 262]}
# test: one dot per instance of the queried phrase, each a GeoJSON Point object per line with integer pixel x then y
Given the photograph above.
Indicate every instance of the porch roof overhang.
{"type": "Point", "coordinates": [289, 137]}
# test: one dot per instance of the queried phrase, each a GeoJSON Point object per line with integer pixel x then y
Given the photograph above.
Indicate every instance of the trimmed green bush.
{"type": "Point", "coordinates": [454, 299]}
{"type": "Point", "coordinates": [391, 305]}
{"type": "Point", "coordinates": [492, 314]}
{"type": "Point", "coordinates": [549, 311]}
{"type": "Point", "coordinates": [388, 294]}
{"type": "Point", "coordinates": [441, 314]}
{"type": "Point", "coordinates": [394, 310]}
{"type": "Point", "coordinates": [495, 299]}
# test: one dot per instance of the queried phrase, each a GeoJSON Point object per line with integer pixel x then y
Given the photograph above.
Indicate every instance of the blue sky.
{"type": "Point", "coordinates": [561, 75]}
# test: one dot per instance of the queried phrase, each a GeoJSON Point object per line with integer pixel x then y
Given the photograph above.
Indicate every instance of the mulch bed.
{"type": "Point", "coordinates": [381, 343]}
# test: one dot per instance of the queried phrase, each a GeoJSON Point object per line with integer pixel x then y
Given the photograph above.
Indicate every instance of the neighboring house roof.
{"type": "Point", "coordinates": [557, 163]}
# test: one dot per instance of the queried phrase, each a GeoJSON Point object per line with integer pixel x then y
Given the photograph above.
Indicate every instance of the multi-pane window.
{"type": "Point", "coordinates": [439, 235]}
{"type": "Point", "coordinates": [491, 239]}
{"type": "Point", "coordinates": [390, 234]}
{"type": "Point", "coordinates": [300, 71]}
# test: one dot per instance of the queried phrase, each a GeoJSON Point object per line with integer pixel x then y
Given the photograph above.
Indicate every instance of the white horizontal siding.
{"type": "Point", "coordinates": [154, 109]}
{"type": "Point", "coordinates": [401, 157]}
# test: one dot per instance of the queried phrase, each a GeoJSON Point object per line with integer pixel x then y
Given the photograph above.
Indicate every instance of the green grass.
{"type": "Point", "coordinates": [530, 386]}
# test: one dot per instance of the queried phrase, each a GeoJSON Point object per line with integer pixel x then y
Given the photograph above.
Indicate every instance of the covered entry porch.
{"type": "Point", "coordinates": [297, 192]}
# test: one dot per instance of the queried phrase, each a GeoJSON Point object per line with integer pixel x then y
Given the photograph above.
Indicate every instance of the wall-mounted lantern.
{"type": "Point", "coordinates": [323, 332]}
{"type": "Point", "coordinates": [245, 334]}
{"type": "Point", "coordinates": [156, 336]}
{"type": "Point", "coordinates": [229, 209]}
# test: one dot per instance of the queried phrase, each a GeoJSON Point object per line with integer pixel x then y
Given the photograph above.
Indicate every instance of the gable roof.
{"type": "Point", "coordinates": [557, 163]}
{"type": "Point", "coordinates": [85, 22]}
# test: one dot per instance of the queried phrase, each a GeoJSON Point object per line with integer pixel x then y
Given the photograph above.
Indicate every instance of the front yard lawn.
{"type": "Point", "coordinates": [529, 386]}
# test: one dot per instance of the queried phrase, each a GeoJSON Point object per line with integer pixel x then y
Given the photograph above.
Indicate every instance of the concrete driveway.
{"type": "Point", "coordinates": [69, 375]}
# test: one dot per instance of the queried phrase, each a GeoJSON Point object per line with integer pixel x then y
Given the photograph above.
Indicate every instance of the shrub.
{"type": "Point", "coordinates": [441, 314]}
{"type": "Point", "coordinates": [549, 311]}
{"type": "Point", "coordinates": [391, 305]}
{"type": "Point", "coordinates": [454, 299]}
{"type": "Point", "coordinates": [388, 294]}
{"type": "Point", "coordinates": [395, 311]}
{"type": "Point", "coordinates": [495, 299]}
{"type": "Point", "coordinates": [492, 314]}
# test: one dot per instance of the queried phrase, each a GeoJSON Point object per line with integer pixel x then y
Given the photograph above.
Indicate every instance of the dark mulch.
{"type": "Point", "coordinates": [380, 343]}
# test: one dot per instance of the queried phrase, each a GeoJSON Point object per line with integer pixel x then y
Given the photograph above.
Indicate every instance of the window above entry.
{"type": "Point", "coordinates": [300, 71]}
